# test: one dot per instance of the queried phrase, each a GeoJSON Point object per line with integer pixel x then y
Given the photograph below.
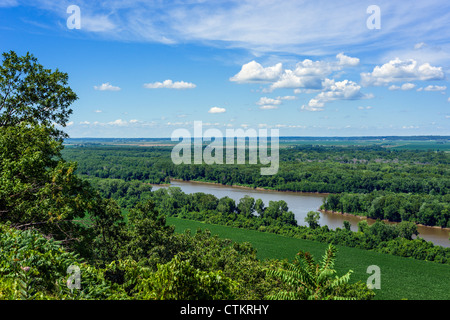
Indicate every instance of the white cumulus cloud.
{"type": "Point", "coordinates": [265, 101]}
{"type": "Point", "coordinates": [400, 71]}
{"type": "Point", "coordinates": [217, 110]}
{"type": "Point", "coordinates": [106, 87]}
{"type": "Point", "coordinates": [255, 72]}
{"type": "Point", "coordinates": [335, 90]}
{"type": "Point", "coordinates": [268, 107]}
{"type": "Point", "coordinates": [306, 74]}
{"type": "Point", "coordinates": [434, 88]}
{"type": "Point", "coordinates": [404, 87]}
{"type": "Point", "coordinates": [118, 122]}
{"type": "Point", "coordinates": [309, 74]}
{"type": "Point", "coordinates": [291, 80]}
{"type": "Point", "coordinates": [169, 84]}
{"type": "Point", "coordinates": [346, 60]}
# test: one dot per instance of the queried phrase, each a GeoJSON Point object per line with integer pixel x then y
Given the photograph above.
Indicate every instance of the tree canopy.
{"type": "Point", "coordinates": [31, 93]}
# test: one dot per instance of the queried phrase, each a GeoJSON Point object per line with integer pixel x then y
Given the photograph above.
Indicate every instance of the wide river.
{"type": "Point", "coordinates": [300, 204]}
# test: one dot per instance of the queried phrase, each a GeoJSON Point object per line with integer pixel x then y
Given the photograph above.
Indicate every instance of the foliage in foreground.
{"type": "Point", "coordinates": [309, 280]}
{"type": "Point", "coordinates": [34, 267]}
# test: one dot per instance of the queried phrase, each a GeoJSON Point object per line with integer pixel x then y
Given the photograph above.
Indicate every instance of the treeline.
{"type": "Point", "coordinates": [126, 163]}
{"type": "Point", "coordinates": [302, 168]}
{"type": "Point", "coordinates": [127, 194]}
{"type": "Point", "coordinates": [430, 210]}
{"type": "Point", "coordinates": [347, 170]}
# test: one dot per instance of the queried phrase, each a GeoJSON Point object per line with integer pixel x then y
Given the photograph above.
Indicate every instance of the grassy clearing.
{"type": "Point", "coordinates": [401, 278]}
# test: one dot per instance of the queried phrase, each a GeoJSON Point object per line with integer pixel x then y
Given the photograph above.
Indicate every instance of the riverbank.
{"type": "Point", "coordinates": [300, 203]}
{"type": "Point", "coordinates": [373, 220]}
{"type": "Point", "coordinates": [361, 217]}
{"type": "Point", "coordinates": [251, 188]}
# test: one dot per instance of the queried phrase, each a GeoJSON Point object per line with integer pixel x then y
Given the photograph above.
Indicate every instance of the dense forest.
{"type": "Point", "coordinates": [396, 185]}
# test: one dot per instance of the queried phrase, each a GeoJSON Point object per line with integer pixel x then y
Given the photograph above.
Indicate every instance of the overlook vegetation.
{"type": "Point", "coordinates": [52, 220]}
{"type": "Point", "coordinates": [94, 208]}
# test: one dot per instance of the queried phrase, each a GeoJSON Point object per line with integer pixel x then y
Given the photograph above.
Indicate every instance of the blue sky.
{"type": "Point", "coordinates": [307, 68]}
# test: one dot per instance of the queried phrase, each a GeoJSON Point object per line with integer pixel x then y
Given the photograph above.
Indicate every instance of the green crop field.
{"type": "Point", "coordinates": [401, 278]}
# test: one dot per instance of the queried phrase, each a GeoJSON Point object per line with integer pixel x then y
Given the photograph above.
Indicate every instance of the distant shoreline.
{"type": "Point", "coordinates": [251, 188]}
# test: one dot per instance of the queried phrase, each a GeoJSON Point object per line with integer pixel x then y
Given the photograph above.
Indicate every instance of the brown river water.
{"type": "Point", "coordinates": [300, 204]}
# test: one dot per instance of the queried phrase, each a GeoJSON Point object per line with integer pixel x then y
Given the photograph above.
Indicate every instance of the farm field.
{"type": "Point", "coordinates": [401, 278]}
